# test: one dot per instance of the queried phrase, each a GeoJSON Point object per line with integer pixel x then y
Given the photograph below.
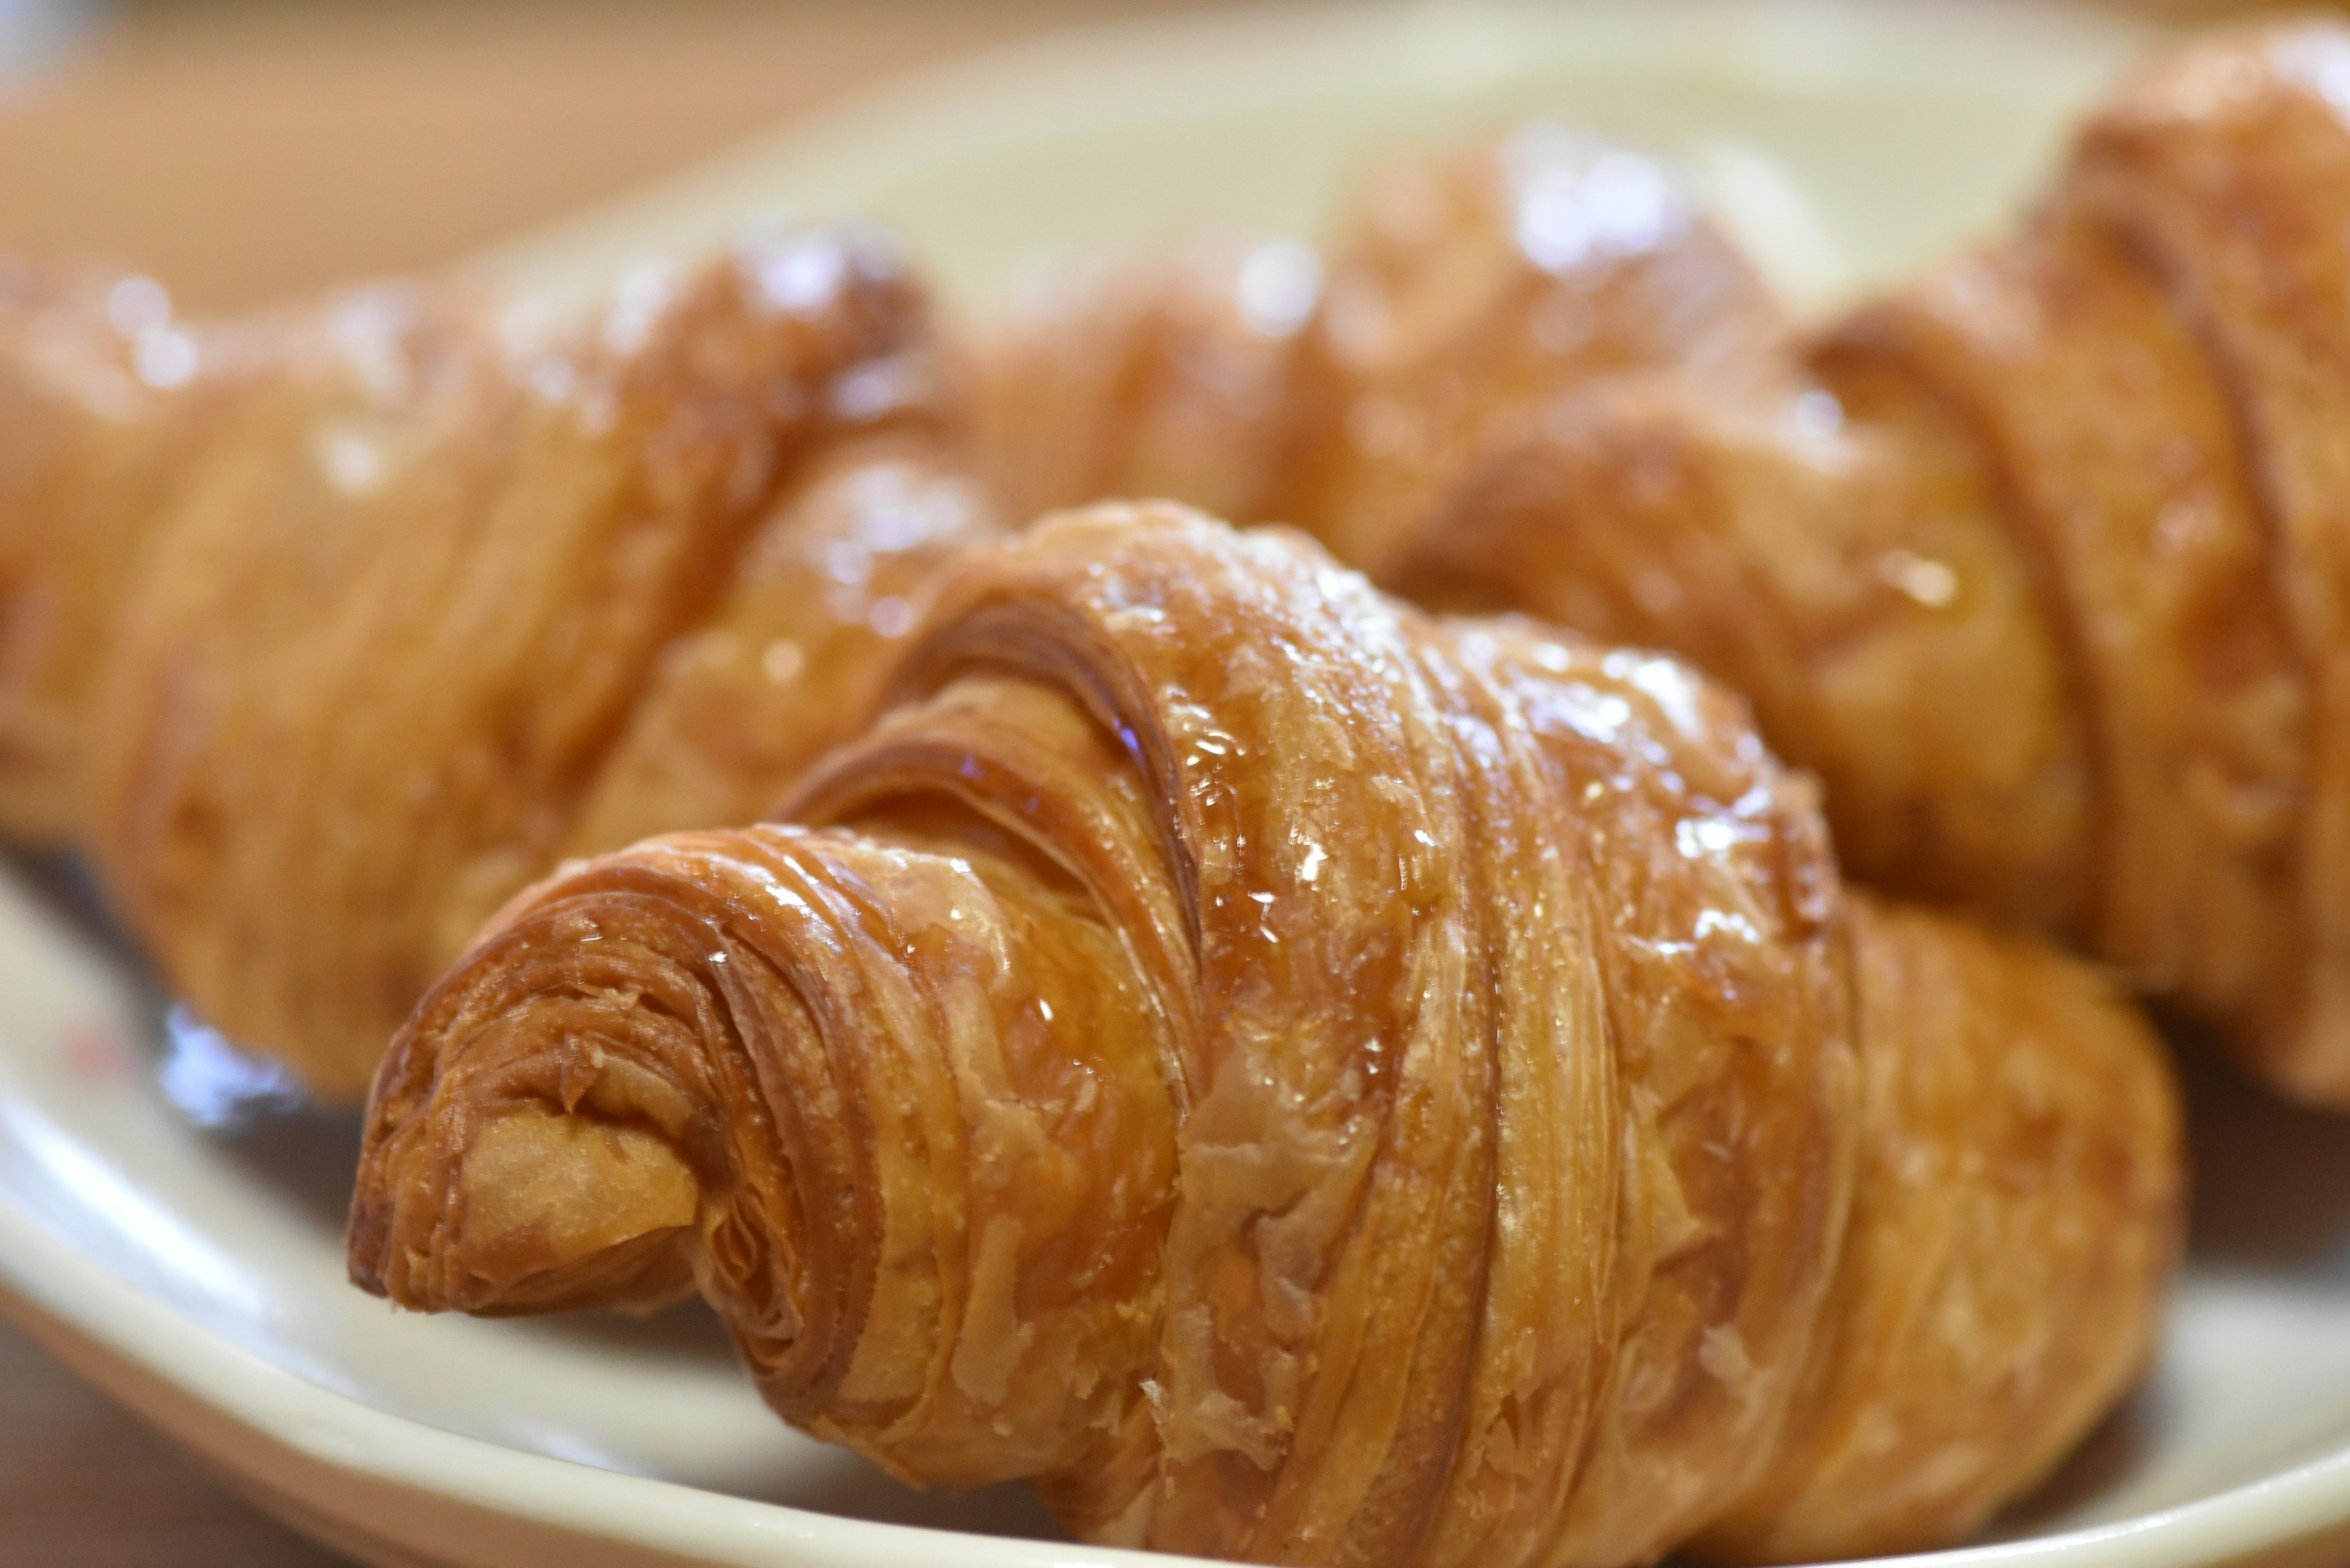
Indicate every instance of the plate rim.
{"type": "Point", "coordinates": [289, 1422]}
{"type": "Point", "coordinates": [55, 1293]}
{"type": "Point", "coordinates": [879, 132]}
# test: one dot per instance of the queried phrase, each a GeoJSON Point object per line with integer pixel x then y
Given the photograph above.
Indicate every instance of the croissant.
{"type": "Point", "coordinates": [2033, 563]}
{"type": "Point", "coordinates": [328, 631]}
{"type": "Point", "coordinates": [1302, 1081]}
{"type": "Point", "coordinates": [1257, 381]}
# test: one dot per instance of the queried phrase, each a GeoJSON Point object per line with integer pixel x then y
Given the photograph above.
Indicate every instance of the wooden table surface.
{"type": "Point", "coordinates": [82, 1485]}
{"type": "Point", "coordinates": [243, 152]}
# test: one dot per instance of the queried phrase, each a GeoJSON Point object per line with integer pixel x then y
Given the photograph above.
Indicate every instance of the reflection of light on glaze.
{"type": "Point", "coordinates": [1552, 228]}
{"type": "Point", "coordinates": [179, 1253]}
{"type": "Point", "coordinates": [880, 386]}
{"type": "Point", "coordinates": [1578, 198]}
{"type": "Point", "coordinates": [803, 275]}
{"type": "Point", "coordinates": [165, 358]}
{"type": "Point", "coordinates": [1736, 925]}
{"type": "Point", "coordinates": [214, 1084]}
{"type": "Point", "coordinates": [1701, 838]}
{"type": "Point", "coordinates": [554, 380]}
{"type": "Point", "coordinates": [138, 306]}
{"type": "Point", "coordinates": [1599, 714]}
{"type": "Point", "coordinates": [901, 506]}
{"type": "Point", "coordinates": [1669, 683]}
{"type": "Point", "coordinates": [892, 617]}
{"type": "Point", "coordinates": [1278, 287]}
{"type": "Point", "coordinates": [1817, 415]}
{"type": "Point", "coordinates": [849, 562]}
{"type": "Point", "coordinates": [2324, 67]}
{"type": "Point", "coordinates": [351, 459]}
{"type": "Point", "coordinates": [1930, 583]}
{"type": "Point", "coordinates": [1633, 203]}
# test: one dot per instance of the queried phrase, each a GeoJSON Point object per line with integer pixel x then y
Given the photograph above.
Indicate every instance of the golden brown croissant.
{"type": "Point", "coordinates": [1305, 1081]}
{"type": "Point", "coordinates": [1255, 381]}
{"type": "Point", "coordinates": [2036, 564]}
{"type": "Point", "coordinates": [328, 631]}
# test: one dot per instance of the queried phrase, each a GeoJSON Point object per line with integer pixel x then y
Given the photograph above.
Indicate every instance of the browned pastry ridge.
{"type": "Point", "coordinates": [1301, 1081]}
{"type": "Point", "coordinates": [325, 632]}
{"type": "Point", "coordinates": [2042, 564]}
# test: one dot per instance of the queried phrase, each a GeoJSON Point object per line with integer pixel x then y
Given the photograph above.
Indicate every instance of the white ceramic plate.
{"type": "Point", "coordinates": [198, 1274]}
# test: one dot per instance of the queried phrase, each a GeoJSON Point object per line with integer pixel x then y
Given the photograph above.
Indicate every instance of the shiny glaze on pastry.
{"type": "Point", "coordinates": [1303, 1081]}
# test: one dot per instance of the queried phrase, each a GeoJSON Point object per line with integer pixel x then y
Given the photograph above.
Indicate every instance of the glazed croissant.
{"type": "Point", "coordinates": [325, 632]}
{"type": "Point", "coordinates": [1304, 1082]}
{"type": "Point", "coordinates": [1260, 381]}
{"type": "Point", "coordinates": [2038, 563]}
